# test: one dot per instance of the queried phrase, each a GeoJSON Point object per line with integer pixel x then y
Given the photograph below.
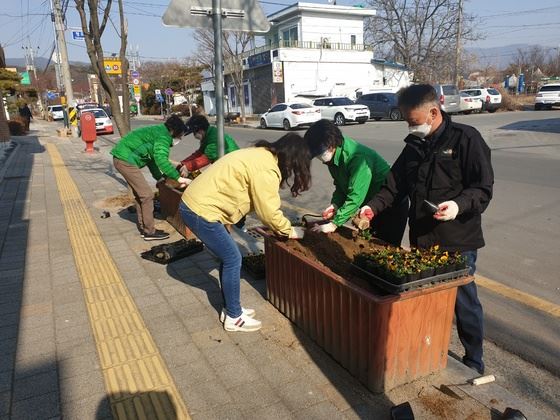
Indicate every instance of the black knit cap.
{"type": "Point", "coordinates": [195, 123]}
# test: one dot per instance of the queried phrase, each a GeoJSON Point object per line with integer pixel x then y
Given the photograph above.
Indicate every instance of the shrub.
{"type": "Point", "coordinates": [515, 102]}
{"type": "Point", "coordinates": [184, 110]}
{"type": "Point", "coordinates": [17, 127]}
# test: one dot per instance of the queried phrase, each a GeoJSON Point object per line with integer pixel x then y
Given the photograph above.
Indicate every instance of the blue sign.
{"type": "Point", "coordinates": [134, 74]}
{"type": "Point", "coordinates": [159, 98]}
{"type": "Point", "coordinates": [52, 95]}
{"type": "Point", "coordinates": [79, 35]}
{"type": "Point", "coordinates": [259, 59]}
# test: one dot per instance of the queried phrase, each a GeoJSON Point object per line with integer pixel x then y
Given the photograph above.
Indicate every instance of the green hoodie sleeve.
{"type": "Point", "coordinates": [210, 146]}
{"type": "Point", "coordinates": [161, 158]}
{"type": "Point", "coordinates": [358, 186]}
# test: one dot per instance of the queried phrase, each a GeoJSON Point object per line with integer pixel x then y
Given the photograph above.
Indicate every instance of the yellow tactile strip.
{"type": "Point", "coordinates": [137, 380]}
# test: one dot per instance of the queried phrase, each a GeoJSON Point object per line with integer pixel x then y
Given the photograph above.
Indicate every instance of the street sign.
{"type": "Point", "coordinates": [169, 91]}
{"type": "Point", "coordinates": [112, 65]}
{"type": "Point", "coordinates": [158, 91]}
{"type": "Point", "coordinates": [25, 78]}
{"type": "Point", "coordinates": [52, 95]}
{"type": "Point", "coordinates": [134, 74]}
{"type": "Point", "coordinates": [135, 82]}
{"type": "Point", "coordinates": [136, 90]}
{"type": "Point", "coordinates": [78, 35]}
{"type": "Point", "coordinates": [159, 98]}
{"type": "Point", "coordinates": [238, 15]}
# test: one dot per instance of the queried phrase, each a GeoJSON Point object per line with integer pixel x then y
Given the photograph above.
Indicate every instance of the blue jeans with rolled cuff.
{"type": "Point", "coordinates": [469, 318]}
{"type": "Point", "coordinates": [218, 240]}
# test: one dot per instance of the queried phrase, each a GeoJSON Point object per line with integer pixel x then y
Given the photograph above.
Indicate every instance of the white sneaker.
{"type": "Point", "coordinates": [243, 323]}
{"type": "Point", "coordinates": [245, 311]}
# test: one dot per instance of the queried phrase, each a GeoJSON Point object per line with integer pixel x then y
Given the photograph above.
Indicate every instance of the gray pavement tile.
{"type": "Point", "coordinates": [34, 366]}
{"type": "Point", "coordinates": [70, 321]}
{"type": "Point", "coordinates": [143, 290]}
{"type": "Point", "coordinates": [184, 299]}
{"type": "Point", "coordinates": [9, 319]}
{"type": "Point", "coordinates": [36, 321]}
{"type": "Point", "coordinates": [10, 331]}
{"type": "Point", "coordinates": [41, 407]}
{"type": "Point", "coordinates": [193, 374]}
{"type": "Point", "coordinates": [9, 308]}
{"type": "Point", "coordinates": [225, 353]}
{"type": "Point", "coordinates": [177, 336]}
{"type": "Point", "coordinates": [255, 395]}
{"type": "Point", "coordinates": [152, 299]}
{"type": "Point", "coordinates": [33, 386]}
{"type": "Point", "coordinates": [155, 311]}
{"type": "Point", "coordinates": [6, 380]}
{"type": "Point", "coordinates": [276, 411]}
{"type": "Point", "coordinates": [67, 295]}
{"type": "Point", "coordinates": [81, 387]}
{"type": "Point", "coordinates": [278, 372]}
{"type": "Point", "coordinates": [80, 365]}
{"type": "Point", "coordinates": [32, 335]}
{"type": "Point", "coordinates": [180, 354]}
{"type": "Point", "coordinates": [5, 398]}
{"type": "Point", "coordinates": [234, 375]}
{"type": "Point", "coordinates": [7, 360]}
{"type": "Point", "coordinates": [70, 349]}
{"type": "Point", "coordinates": [73, 333]}
{"type": "Point", "coordinates": [232, 411]}
{"type": "Point", "coordinates": [212, 338]}
{"type": "Point", "coordinates": [165, 323]}
{"type": "Point", "coordinates": [300, 394]}
{"type": "Point", "coordinates": [203, 396]}
{"type": "Point", "coordinates": [8, 345]}
{"type": "Point", "coordinates": [97, 408]}
{"type": "Point", "coordinates": [323, 410]}
{"type": "Point", "coordinates": [201, 323]}
{"type": "Point", "coordinates": [175, 289]}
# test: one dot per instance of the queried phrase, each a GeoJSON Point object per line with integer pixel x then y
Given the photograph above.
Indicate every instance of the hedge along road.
{"type": "Point", "coordinates": [521, 225]}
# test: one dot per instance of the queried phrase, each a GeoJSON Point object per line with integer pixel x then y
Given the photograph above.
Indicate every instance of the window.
{"type": "Point", "coordinates": [290, 36]}
{"type": "Point", "coordinates": [232, 98]}
{"type": "Point", "coordinates": [319, 102]}
{"type": "Point", "coordinates": [300, 106]}
{"type": "Point", "coordinates": [342, 101]}
{"type": "Point", "coordinates": [495, 92]}
{"type": "Point", "coordinates": [353, 39]}
{"type": "Point", "coordinates": [246, 94]}
{"type": "Point", "coordinates": [278, 108]}
{"type": "Point", "coordinates": [450, 90]}
{"type": "Point", "coordinates": [550, 88]}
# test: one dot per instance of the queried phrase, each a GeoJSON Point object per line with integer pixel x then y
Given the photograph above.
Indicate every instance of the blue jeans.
{"type": "Point", "coordinates": [218, 240]}
{"type": "Point", "coordinates": [469, 317]}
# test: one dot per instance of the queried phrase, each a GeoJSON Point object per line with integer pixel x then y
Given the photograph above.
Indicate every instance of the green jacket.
{"type": "Point", "coordinates": [209, 145]}
{"type": "Point", "coordinates": [358, 173]}
{"type": "Point", "coordinates": [148, 146]}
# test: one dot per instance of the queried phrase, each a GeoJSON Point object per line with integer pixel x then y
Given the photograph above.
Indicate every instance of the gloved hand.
{"type": "Point", "coordinates": [184, 181]}
{"type": "Point", "coordinates": [447, 210]}
{"type": "Point", "coordinates": [329, 212]}
{"type": "Point", "coordinates": [366, 213]}
{"type": "Point", "coordinates": [324, 228]}
{"type": "Point", "coordinates": [296, 232]}
{"type": "Point", "coordinates": [184, 171]}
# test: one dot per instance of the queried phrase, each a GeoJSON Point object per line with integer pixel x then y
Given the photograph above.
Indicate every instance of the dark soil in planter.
{"type": "Point", "coordinates": [336, 251]}
{"type": "Point", "coordinates": [255, 265]}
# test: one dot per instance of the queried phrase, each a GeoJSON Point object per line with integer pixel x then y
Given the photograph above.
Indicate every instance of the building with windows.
{"type": "Point", "coordinates": [311, 50]}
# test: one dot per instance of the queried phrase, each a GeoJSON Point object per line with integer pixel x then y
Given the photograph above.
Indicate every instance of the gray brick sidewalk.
{"type": "Point", "coordinates": [51, 368]}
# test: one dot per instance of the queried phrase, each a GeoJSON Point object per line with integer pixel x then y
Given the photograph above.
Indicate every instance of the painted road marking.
{"type": "Point", "coordinates": [496, 287]}
{"type": "Point", "coordinates": [137, 380]}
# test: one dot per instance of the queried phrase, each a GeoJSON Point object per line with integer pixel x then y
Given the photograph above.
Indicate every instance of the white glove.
{"type": "Point", "coordinates": [329, 212]}
{"type": "Point", "coordinates": [447, 210]}
{"type": "Point", "coordinates": [184, 171]}
{"type": "Point", "coordinates": [324, 228]}
{"type": "Point", "coordinates": [366, 213]}
{"type": "Point", "coordinates": [296, 232]}
{"type": "Point", "coordinates": [184, 181]}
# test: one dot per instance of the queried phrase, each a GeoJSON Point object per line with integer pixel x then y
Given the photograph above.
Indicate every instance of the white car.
{"type": "Point", "coordinates": [103, 124]}
{"type": "Point", "coordinates": [470, 104]}
{"type": "Point", "coordinates": [55, 112]}
{"type": "Point", "coordinates": [548, 96]}
{"type": "Point", "coordinates": [288, 116]}
{"type": "Point", "coordinates": [490, 97]}
{"type": "Point", "coordinates": [342, 109]}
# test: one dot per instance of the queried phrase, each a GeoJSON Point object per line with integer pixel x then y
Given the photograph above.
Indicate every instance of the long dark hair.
{"type": "Point", "coordinates": [293, 159]}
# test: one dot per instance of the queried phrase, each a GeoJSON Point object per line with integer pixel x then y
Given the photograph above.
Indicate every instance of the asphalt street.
{"type": "Point", "coordinates": [521, 226]}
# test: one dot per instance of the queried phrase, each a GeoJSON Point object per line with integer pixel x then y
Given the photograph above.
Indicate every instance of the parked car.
{"type": "Point", "coordinates": [103, 124]}
{"type": "Point", "coordinates": [341, 110]}
{"type": "Point", "coordinates": [449, 98]}
{"type": "Point", "coordinates": [56, 112]}
{"type": "Point", "coordinates": [491, 98]}
{"type": "Point", "coordinates": [288, 116]}
{"type": "Point", "coordinates": [470, 104]}
{"type": "Point", "coordinates": [548, 96]}
{"type": "Point", "coordinates": [381, 105]}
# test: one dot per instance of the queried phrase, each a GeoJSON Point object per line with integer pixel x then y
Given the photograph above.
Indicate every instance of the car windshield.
{"type": "Point", "coordinates": [493, 91]}
{"type": "Point", "coordinates": [552, 88]}
{"type": "Point", "coordinates": [299, 106]}
{"type": "Point", "coordinates": [342, 101]}
{"type": "Point", "coordinates": [99, 113]}
{"type": "Point", "coordinates": [56, 108]}
{"type": "Point", "coordinates": [449, 90]}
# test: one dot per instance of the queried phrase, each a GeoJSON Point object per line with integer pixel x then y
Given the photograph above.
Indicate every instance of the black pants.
{"type": "Point", "coordinates": [469, 318]}
{"type": "Point", "coordinates": [389, 226]}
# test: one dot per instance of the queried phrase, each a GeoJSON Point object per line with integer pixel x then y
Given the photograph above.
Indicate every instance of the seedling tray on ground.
{"type": "Point", "coordinates": [399, 288]}
{"type": "Point", "coordinates": [167, 253]}
{"type": "Point", "coordinates": [257, 271]}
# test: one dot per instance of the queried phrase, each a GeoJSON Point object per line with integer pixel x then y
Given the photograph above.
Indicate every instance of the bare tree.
{"type": "Point", "coordinates": [234, 45]}
{"type": "Point", "coordinates": [94, 22]}
{"type": "Point", "coordinates": [419, 33]}
{"type": "Point", "coordinates": [8, 81]}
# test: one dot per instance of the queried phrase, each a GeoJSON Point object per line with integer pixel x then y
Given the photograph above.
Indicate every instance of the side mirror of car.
{"type": "Point", "coordinates": [331, 104]}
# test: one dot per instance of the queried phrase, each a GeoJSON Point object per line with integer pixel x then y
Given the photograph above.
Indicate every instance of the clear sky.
{"type": "Point", "coordinates": [27, 22]}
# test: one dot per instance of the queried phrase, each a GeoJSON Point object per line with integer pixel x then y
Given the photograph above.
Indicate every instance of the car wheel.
{"type": "Point", "coordinates": [467, 112]}
{"type": "Point", "coordinates": [339, 119]}
{"type": "Point", "coordinates": [286, 125]}
{"type": "Point", "coordinates": [395, 114]}
{"type": "Point", "coordinates": [263, 123]}
{"type": "Point", "coordinates": [492, 110]}
{"type": "Point", "coordinates": [538, 107]}
{"type": "Point", "coordinates": [377, 118]}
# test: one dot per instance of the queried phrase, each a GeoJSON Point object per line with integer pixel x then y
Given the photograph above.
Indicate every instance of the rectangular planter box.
{"type": "Point", "coordinates": [169, 199]}
{"type": "Point", "coordinates": [384, 341]}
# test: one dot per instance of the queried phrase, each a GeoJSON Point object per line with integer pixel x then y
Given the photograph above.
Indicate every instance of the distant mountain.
{"type": "Point", "coordinates": [40, 62]}
{"type": "Point", "coordinates": [498, 57]}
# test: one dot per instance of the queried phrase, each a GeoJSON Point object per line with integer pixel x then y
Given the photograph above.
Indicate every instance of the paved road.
{"type": "Point", "coordinates": [521, 228]}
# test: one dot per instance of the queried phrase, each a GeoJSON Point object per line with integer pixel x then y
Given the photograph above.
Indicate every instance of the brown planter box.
{"type": "Point", "coordinates": [384, 341]}
{"type": "Point", "coordinates": [169, 199]}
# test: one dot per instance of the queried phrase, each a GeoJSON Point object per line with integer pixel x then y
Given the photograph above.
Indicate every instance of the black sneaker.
{"type": "Point", "coordinates": [158, 235]}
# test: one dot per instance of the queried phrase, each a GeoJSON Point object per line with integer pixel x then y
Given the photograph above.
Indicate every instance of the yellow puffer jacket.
{"type": "Point", "coordinates": [238, 183]}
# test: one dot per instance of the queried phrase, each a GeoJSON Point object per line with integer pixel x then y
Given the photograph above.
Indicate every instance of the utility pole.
{"type": "Point", "coordinates": [64, 63]}
{"type": "Point", "coordinates": [30, 52]}
{"type": "Point", "coordinates": [458, 44]}
{"type": "Point", "coordinates": [55, 51]}
{"type": "Point", "coordinates": [219, 76]}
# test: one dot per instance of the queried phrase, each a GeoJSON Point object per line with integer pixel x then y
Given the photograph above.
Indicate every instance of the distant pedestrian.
{"type": "Point", "coordinates": [148, 146]}
{"type": "Point", "coordinates": [26, 115]}
{"type": "Point", "coordinates": [447, 164]}
{"type": "Point", "coordinates": [243, 181]}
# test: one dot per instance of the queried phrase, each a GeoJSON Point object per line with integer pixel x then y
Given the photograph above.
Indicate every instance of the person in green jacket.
{"type": "Point", "coordinates": [358, 173]}
{"type": "Point", "coordinates": [148, 146]}
{"type": "Point", "coordinates": [207, 153]}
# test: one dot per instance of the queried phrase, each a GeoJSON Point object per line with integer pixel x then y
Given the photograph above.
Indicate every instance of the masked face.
{"type": "Point", "coordinates": [326, 156]}
{"type": "Point", "coordinates": [199, 135]}
{"type": "Point", "coordinates": [420, 130]}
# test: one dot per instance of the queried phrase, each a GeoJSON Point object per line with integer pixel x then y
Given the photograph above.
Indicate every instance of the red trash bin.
{"type": "Point", "coordinates": [87, 127]}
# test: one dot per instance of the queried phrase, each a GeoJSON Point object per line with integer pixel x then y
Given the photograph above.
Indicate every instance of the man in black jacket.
{"type": "Point", "coordinates": [448, 164]}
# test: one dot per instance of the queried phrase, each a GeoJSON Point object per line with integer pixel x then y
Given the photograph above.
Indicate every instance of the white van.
{"type": "Point", "coordinates": [548, 96]}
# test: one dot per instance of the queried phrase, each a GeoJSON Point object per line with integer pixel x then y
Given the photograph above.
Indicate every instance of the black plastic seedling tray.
{"type": "Point", "coordinates": [167, 253]}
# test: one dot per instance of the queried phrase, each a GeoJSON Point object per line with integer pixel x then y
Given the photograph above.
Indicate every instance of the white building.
{"type": "Point", "coordinates": [312, 50]}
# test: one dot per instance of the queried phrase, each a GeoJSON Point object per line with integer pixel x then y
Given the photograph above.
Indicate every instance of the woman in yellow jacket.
{"type": "Point", "coordinates": [243, 181]}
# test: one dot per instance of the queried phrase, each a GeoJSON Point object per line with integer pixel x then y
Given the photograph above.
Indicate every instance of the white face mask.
{"type": "Point", "coordinates": [326, 156]}
{"type": "Point", "coordinates": [198, 135]}
{"type": "Point", "coordinates": [422, 131]}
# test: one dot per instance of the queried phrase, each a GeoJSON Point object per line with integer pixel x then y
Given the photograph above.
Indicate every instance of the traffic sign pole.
{"type": "Point", "coordinates": [219, 76]}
